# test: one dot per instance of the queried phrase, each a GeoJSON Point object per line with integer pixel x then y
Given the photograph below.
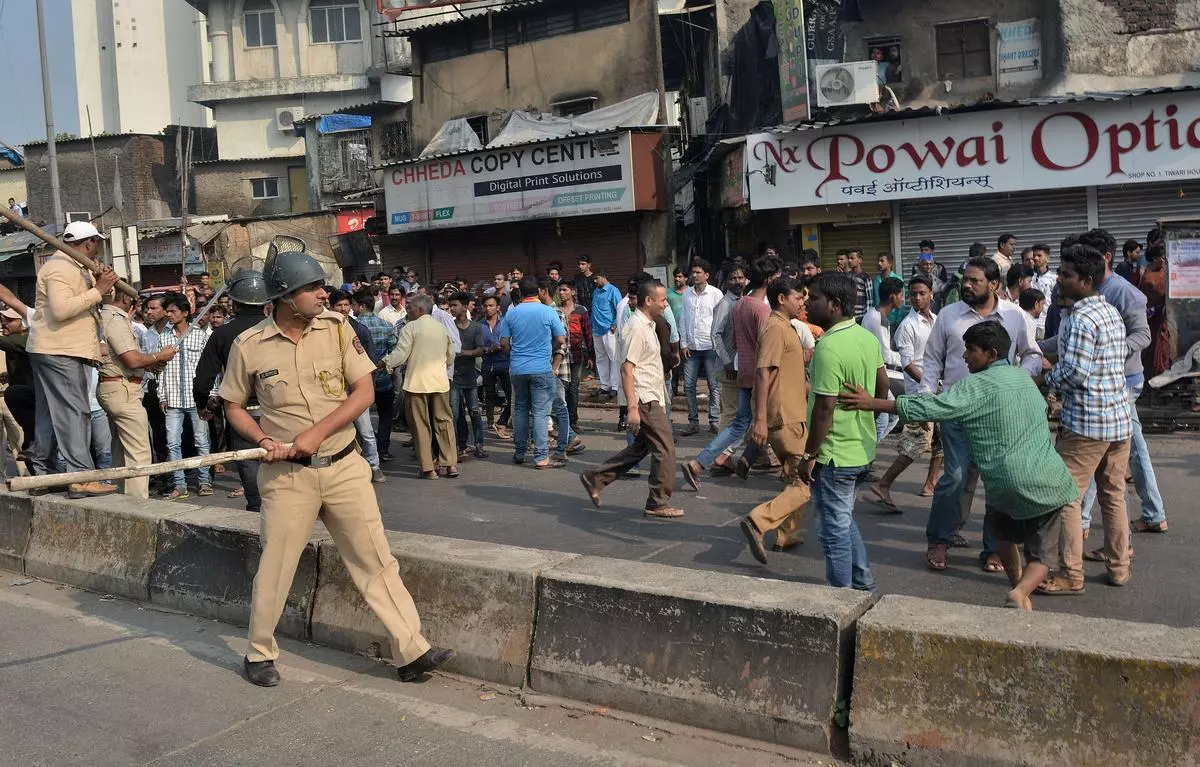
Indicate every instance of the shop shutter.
{"type": "Point", "coordinates": [1128, 211]}
{"type": "Point", "coordinates": [953, 223]}
{"type": "Point", "coordinates": [872, 238]}
{"type": "Point", "coordinates": [611, 240]}
{"type": "Point", "coordinates": [406, 251]}
{"type": "Point", "coordinates": [477, 253]}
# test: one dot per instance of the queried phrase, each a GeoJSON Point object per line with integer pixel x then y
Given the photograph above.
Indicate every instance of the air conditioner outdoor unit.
{"type": "Point", "coordinates": [286, 117]}
{"type": "Point", "coordinates": [854, 82]}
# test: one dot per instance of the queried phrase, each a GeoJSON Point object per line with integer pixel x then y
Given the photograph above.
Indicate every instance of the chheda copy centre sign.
{"type": "Point", "coordinates": [569, 177]}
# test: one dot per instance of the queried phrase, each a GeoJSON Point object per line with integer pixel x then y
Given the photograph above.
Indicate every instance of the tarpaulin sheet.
{"type": "Point", "coordinates": [340, 123]}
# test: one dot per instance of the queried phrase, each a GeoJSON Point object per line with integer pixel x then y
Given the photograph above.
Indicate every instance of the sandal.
{"type": "Point", "coordinates": [873, 497]}
{"type": "Point", "coordinates": [452, 472]}
{"type": "Point", "coordinates": [593, 490]}
{"type": "Point", "coordinates": [1055, 586]}
{"type": "Point", "coordinates": [689, 474]}
{"type": "Point", "coordinates": [428, 475]}
{"type": "Point", "coordinates": [959, 542]}
{"type": "Point", "coordinates": [992, 564]}
{"type": "Point", "coordinates": [1100, 555]}
{"type": "Point", "coordinates": [1141, 526]}
{"type": "Point", "coordinates": [553, 463]}
{"type": "Point", "coordinates": [935, 557]}
{"type": "Point", "coordinates": [239, 493]}
{"type": "Point", "coordinates": [665, 512]}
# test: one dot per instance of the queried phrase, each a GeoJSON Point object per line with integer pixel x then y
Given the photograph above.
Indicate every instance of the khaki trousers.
{"type": "Point", "coordinates": [1107, 463]}
{"type": "Point", "coordinates": [293, 497]}
{"type": "Point", "coordinates": [785, 512]}
{"type": "Point", "coordinates": [429, 416]}
{"type": "Point", "coordinates": [729, 401]}
{"type": "Point", "coordinates": [654, 439]}
{"type": "Point", "coordinates": [122, 400]}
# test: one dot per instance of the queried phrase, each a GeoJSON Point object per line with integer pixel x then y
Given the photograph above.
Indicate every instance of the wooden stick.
{"type": "Point", "coordinates": [143, 470]}
{"type": "Point", "coordinates": [50, 239]}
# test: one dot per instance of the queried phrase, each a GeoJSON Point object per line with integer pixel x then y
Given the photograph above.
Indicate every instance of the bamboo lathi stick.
{"type": "Point", "coordinates": [142, 470]}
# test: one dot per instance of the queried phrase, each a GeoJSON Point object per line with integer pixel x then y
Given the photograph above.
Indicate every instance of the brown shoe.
{"type": "Point", "coordinates": [1141, 526]}
{"type": "Point", "coordinates": [1117, 580]}
{"type": "Point", "coordinates": [89, 489]}
{"type": "Point", "coordinates": [754, 539]}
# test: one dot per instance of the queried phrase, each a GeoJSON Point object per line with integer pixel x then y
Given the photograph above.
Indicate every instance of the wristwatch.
{"type": "Point", "coordinates": [806, 457]}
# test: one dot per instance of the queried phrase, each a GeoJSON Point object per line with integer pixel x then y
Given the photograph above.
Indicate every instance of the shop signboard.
{"type": "Point", "coordinates": [793, 59]}
{"type": "Point", "coordinates": [1133, 140]}
{"type": "Point", "coordinates": [570, 177]}
{"type": "Point", "coordinates": [1019, 52]}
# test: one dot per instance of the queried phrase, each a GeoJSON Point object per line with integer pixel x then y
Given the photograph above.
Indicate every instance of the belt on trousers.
{"type": "Point", "coordinates": [323, 461]}
{"type": "Point", "coordinates": [130, 379]}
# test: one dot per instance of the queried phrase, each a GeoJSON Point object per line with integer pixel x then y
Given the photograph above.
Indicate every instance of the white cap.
{"type": "Point", "coordinates": [77, 231]}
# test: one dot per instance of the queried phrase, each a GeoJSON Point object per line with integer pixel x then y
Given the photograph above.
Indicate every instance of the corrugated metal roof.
{"type": "Point", "coordinates": [98, 137]}
{"type": "Point", "coordinates": [203, 233]}
{"type": "Point", "coordinates": [249, 159]}
{"type": "Point", "coordinates": [981, 106]}
{"type": "Point", "coordinates": [443, 155]}
{"type": "Point", "coordinates": [418, 20]}
{"type": "Point", "coordinates": [19, 242]}
{"type": "Point", "coordinates": [369, 108]}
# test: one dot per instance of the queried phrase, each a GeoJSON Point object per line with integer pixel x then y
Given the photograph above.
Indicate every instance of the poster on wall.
{"type": "Point", "coordinates": [1183, 264]}
{"type": "Point", "coordinates": [793, 59]}
{"type": "Point", "coordinates": [550, 179]}
{"type": "Point", "coordinates": [1019, 52]}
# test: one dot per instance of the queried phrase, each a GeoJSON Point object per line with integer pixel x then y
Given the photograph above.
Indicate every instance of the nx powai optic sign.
{"type": "Point", "coordinates": [1148, 138]}
{"type": "Point", "coordinates": [552, 179]}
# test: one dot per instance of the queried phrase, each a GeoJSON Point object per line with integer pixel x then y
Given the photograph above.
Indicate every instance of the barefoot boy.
{"type": "Point", "coordinates": [1025, 479]}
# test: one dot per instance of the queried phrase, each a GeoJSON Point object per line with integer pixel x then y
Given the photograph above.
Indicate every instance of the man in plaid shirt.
{"type": "Point", "coordinates": [383, 340]}
{"type": "Point", "coordinates": [1096, 423]}
{"type": "Point", "coordinates": [864, 288]}
{"type": "Point", "coordinates": [568, 441]}
{"type": "Point", "coordinates": [175, 390]}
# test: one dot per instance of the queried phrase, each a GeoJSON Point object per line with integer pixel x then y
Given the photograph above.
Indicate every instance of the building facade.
{"type": "Point", "coordinates": [134, 60]}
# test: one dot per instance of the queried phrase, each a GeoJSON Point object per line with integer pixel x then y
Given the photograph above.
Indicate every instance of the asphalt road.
{"type": "Point", "coordinates": [97, 681]}
{"type": "Point", "coordinates": [497, 501]}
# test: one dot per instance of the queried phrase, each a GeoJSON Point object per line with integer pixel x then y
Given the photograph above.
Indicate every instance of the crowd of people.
{"type": "Point", "coordinates": [799, 365]}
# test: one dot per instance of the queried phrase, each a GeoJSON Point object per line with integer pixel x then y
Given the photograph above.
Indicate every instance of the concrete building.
{"type": "Point", "coordinates": [134, 60]}
{"type": "Point", "coordinates": [12, 182]}
{"type": "Point", "coordinates": [273, 63]}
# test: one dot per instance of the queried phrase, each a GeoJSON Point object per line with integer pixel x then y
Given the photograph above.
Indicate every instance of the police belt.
{"type": "Point", "coordinates": [323, 461]}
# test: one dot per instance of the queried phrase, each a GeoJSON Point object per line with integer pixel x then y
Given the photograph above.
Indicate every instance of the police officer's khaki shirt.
{"type": "Point", "coordinates": [297, 384]}
{"type": "Point", "coordinates": [118, 334]}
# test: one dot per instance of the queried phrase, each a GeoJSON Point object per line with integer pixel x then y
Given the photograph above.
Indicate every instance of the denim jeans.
{"type": "Point", "coordinates": [947, 494]}
{"type": "Point", "coordinates": [533, 395]}
{"type": "Point", "coordinates": [1144, 480]}
{"type": "Point", "coordinates": [493, 379]}
{"type": "Point", "coordinates": [733, 433]}
{"type": "Point", "coordinates": [562, 417]}
{"type": "Point", "coordinates": [385, 400]}
{"type": "Point", "coordinates": [885, 422]}
{"type": "Point", "coordinates": [175, 416]}
{"type": "Point", "coordinates": [846, 563]}
{"type": "Point", "coordinates": [712, 372]}
{"type": "Point", "coordinates": [468, 395]}
{"type": "Point", "coordinates": [366, 438]}
{"type": "Point", "coordinates": [101, 440]}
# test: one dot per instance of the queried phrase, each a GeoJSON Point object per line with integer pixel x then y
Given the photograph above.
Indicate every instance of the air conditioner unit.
{"type": "Point", "coordinates": [286, 117]}
{"type": "Point", "coordinates": [854, 82]}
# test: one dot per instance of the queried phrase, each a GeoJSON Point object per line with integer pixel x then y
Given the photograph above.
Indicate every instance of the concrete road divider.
{"type": "Point", "coordinates": [478, 598]}
{"type": "Point", "coordinates": [16, 522]}
{"type": "Point", "coordinates": [940, 683]}
{"type": "Point", "coordinates": [206, 563]}
{"type": "Point", "coordinates": [755, 657]}
{"type": "Point", "coordinates": [99, 544]}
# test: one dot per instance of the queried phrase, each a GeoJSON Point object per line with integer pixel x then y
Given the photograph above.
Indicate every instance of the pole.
{"type": "Point", "coordinates": [46, 237]}
{"type": "Point", "coordinates": [142, 470]}
{"type": "Point", "coordinates": [95, 161]}
{"type": "Point", "coordinates": [51, 149]}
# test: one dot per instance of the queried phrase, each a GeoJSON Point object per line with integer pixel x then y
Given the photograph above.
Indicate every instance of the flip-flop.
{"type": "Point", "coordinates": [872, 497]}
{"type": "Point", "coordinates": [689, 474]}
{"type": "Point", "coordinates": [754, 538]}
{"type": "Point", "coordinates": [592, 491]}
{"type": "Point", "coordinates": [992, 565]}
{"type": "Point", "coordinates": [1057, 587]}
{"type": "Point", "coordinates": [936, 556]}
{"type": "Point", "coordinates": [240, 492]}
{"type": "Point", "coordinates": [664, 512]}
{"type": "Point", "coordinates": [1141, 526]}
{"type": "Point", "coordinates": [1100, 555]}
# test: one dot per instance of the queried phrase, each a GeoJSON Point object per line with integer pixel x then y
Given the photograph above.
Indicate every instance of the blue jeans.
{"type": "Point", "coordinates": [175, 416]}
{"type": "Point", "coordinates": [101, 440]}
{"type": "Point", "coordinates": [732, 433]}
{"type": "Point", "coordinates": [1144, 480]}
{"type": "Point", "coordinates": [533, 394]}
{"type": "Point", "coordinates": [712, 372]}
{"type": "Point", "coordinates": [885, 422]}
{"type": "Point", "coordinates": [562, 416]}
{"type": "Point", "coordinates": [946, 510]}
{"type": "Point", "coordinates": [366, 438]}
{"type": "Point", "coordinates": [846, 563]}
{"type": "Point", "coordinates": [468, 395]}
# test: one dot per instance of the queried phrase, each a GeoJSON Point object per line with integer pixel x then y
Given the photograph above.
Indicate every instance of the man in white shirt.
{"type": "Point", "coordinates": [699, 303]}
{"type": "Point", "coordinates": [393, 310]}
{"type": "Point", "coordinates": [1044, 279]}
{"type": "Point", "coordinates": [916, 438]}
{"type": "Point", "coordinates": [1006, 246]}
{"type": "Point", "coordinates": [891, 297]}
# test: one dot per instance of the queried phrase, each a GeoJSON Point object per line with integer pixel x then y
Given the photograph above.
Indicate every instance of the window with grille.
{"type": "Point", "coordinates": [264, 188]}
{"type": "Point", "coordinates": [333, 21]}
{"type": "Point", "coordinates": [259, 24]}
{"type": "Point", "coordinates": [964, 49]}
{"type": "Point", "coordinates": [396, 141]}
{"type": "Point", "coordinates": [344, 161]}
{"type": "Point", "coordinates": [480, 126]}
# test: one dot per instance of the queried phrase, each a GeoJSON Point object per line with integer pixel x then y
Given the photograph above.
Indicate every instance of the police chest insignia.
{"type": "Point", "coordinates": [267, 374]}
{"type": "Point", "coordinates": [359, 347]}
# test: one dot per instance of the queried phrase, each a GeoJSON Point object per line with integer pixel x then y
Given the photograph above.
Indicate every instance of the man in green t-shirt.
{"type": "Point", "coordinates": [841, 443]}
{"type": "Point", "coordinates": [1027, 483]}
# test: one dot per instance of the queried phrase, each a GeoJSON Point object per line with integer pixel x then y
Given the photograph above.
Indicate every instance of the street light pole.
{"type": "Point", "coordinates": [51, 150]}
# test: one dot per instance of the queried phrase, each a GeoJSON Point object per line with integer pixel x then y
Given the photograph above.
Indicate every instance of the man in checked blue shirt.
{"type": "Point", "coordinates": [1096, 422]}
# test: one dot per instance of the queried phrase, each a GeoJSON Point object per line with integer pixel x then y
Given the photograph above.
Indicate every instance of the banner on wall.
{"type": "Point", "coordinates": [1019, 52]}
{"type": "Point", "coordinates": [793, 59]}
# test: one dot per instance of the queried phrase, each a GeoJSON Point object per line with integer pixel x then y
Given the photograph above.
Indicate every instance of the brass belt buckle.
{"type": "Point", "coordinates": [321, 461]}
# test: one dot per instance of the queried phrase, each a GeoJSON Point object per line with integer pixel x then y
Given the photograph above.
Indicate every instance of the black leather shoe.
{"type": "Point", "coordinates": [423, 665]}
{"type": "Point", "coordinates": [262, 673]}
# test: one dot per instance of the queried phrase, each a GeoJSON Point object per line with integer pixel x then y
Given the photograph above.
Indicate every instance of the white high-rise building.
{"type": "Point", "coordinates": [134, 61]}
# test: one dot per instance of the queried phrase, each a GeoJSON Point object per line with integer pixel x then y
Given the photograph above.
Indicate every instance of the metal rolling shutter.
{"type": "Point", "coordinates": [953, 223]}
{"type": "Point", "coordinates": [477, 253]}
{"type": "Point", "coordinates": [872, 238]}
{"type": "Point", "coordinates": [406, 251]}
{"type": "Point", "coordinates": [611, 240]}
{"type": "Point", "coordinates": [1128, 211]}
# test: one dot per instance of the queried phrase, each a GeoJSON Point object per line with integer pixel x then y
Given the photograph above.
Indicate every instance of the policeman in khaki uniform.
{"type": "Point", "coordinates": [312, 378]}
{"type": "Point", "coordinates": [119, 390]}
